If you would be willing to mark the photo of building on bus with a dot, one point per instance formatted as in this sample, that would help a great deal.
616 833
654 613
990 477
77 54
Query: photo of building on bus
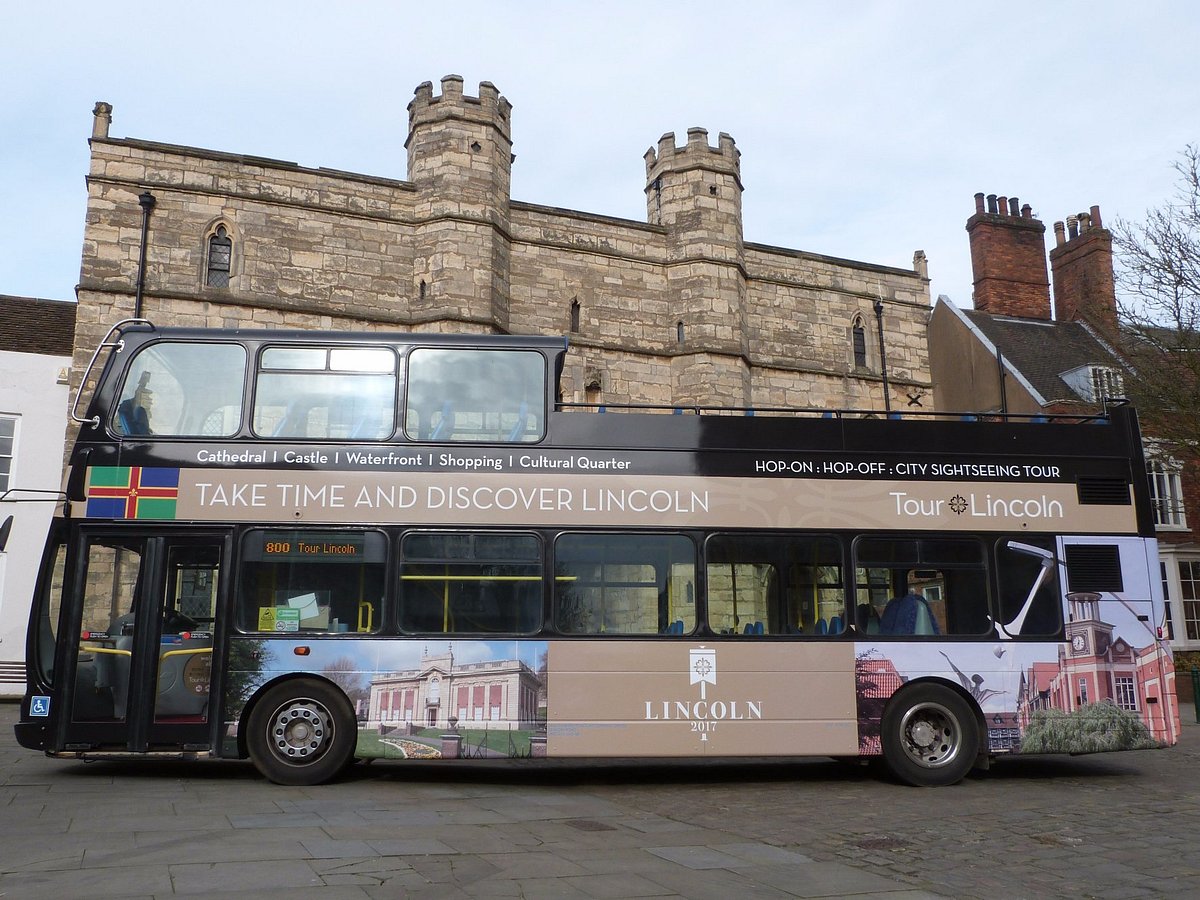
427 700
309 549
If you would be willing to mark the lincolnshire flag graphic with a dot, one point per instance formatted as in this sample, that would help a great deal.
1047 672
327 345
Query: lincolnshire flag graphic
132 492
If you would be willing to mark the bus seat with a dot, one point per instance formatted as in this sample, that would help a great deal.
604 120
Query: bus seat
835 625
867 619
518 429
758 628
924 623
822 627
294 415
445 425
749 629
367 427
133 418
907 615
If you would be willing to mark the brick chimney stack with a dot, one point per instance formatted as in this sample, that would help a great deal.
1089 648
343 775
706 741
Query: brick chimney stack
1082 263
1008 259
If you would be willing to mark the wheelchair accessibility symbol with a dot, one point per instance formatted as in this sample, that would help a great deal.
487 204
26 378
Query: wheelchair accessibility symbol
39 706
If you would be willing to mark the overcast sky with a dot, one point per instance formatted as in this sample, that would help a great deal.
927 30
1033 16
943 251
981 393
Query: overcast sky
865 128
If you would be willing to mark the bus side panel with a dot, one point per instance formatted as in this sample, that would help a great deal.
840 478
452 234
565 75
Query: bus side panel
614 698
734 697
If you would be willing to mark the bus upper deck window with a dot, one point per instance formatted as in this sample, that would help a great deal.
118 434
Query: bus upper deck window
177 389
326 393
475 395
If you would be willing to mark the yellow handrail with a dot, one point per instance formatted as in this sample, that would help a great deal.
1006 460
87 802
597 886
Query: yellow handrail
113 651
471 578
190 652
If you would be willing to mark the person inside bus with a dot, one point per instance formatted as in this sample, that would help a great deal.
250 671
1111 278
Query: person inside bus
134 412
867 619
908 615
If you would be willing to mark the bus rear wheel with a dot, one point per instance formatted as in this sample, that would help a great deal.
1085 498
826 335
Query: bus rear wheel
301 732
930 737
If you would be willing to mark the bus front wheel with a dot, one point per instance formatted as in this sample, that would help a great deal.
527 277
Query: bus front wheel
930 737
301 732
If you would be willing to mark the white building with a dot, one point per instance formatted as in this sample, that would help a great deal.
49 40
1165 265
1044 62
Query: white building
35 359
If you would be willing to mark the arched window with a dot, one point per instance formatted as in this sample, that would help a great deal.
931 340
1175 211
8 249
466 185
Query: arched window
679 335
858 338
575 316
220 257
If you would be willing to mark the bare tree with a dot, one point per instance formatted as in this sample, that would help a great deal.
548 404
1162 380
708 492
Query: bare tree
1159 275
346 674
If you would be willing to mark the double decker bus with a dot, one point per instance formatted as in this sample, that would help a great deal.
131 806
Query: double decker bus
310 548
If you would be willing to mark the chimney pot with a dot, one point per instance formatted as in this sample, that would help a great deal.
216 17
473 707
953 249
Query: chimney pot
991 200
1060 234
1096 223
979 202
1026 211
1014 207
1002 202
1072 228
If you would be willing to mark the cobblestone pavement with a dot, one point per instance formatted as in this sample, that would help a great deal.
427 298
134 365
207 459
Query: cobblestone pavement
1111 826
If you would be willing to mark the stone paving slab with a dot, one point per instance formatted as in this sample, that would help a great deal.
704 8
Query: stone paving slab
1115 826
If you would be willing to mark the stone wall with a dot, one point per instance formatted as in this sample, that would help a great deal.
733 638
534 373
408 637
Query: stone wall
678 309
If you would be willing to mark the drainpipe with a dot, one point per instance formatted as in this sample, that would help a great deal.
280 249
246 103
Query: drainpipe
146 202
887 393
1003 386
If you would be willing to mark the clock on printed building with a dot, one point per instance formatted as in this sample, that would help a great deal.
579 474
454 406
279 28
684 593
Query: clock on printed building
1079 643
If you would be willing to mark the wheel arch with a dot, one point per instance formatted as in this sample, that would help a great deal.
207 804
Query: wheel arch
248 710
982 756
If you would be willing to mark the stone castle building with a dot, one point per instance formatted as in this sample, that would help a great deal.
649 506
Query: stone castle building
679 309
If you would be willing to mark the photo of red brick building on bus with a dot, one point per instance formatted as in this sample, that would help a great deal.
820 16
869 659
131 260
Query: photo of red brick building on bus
1095 666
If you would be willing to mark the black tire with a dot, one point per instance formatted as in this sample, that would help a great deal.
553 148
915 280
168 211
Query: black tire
301 732
930 736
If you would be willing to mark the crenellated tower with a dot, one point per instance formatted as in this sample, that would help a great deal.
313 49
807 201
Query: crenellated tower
695 193
460 161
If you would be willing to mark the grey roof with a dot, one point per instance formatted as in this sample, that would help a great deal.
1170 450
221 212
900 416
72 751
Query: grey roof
28 325
1042 350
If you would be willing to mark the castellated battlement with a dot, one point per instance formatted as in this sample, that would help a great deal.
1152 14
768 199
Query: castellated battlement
725 157
490 106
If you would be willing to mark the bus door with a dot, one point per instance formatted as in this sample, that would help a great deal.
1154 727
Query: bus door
142 656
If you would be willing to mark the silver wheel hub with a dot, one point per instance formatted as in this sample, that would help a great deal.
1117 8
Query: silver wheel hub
300 730
930 735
